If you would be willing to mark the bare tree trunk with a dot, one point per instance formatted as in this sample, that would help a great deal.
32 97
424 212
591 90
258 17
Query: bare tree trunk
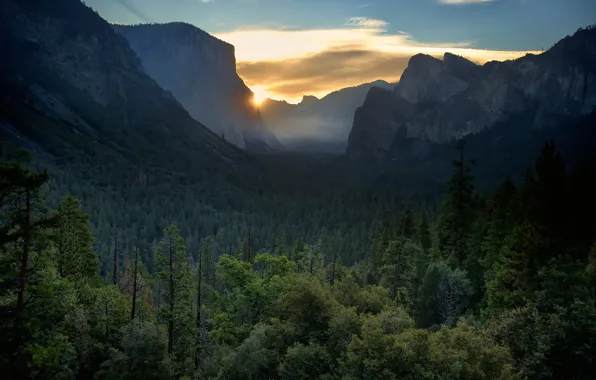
171 316
107 322
134 286
333 268
449 301
115 269
60 256
249 245
25 259
460 206
198 318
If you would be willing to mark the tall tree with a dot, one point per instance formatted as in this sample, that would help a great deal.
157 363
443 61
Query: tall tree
424 235
135 285
115 260
205 257
279 248
407 228
174 272
454 225
74 242
26 218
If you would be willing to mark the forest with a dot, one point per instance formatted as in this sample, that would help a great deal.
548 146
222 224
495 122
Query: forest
497 284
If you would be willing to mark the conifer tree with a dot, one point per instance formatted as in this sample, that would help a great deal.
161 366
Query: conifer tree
175 274
279 248
407 228
74 242
26 218
424 235
454 226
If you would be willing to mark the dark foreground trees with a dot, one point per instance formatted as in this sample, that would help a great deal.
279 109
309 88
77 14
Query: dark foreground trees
501 286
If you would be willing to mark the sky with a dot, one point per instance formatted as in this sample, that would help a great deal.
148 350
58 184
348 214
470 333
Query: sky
288 48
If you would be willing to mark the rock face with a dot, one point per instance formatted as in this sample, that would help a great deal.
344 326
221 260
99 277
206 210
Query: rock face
381 118
317 124
200 70
67 78
455 97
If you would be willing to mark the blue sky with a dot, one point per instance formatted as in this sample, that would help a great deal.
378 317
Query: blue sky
497 25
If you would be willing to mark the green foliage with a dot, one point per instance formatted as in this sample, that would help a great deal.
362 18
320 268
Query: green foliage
443 295
143 354
460 204
508 293
303 362
74 242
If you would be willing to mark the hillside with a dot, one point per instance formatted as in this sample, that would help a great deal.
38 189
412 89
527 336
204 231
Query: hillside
200 71
72 84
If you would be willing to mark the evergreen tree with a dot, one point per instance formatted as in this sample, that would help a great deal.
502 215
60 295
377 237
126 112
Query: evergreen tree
424 235
174 273
279 249
74 242
407 228
454 226
207 258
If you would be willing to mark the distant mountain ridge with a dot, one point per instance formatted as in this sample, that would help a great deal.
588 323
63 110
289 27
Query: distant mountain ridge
441 100
200 70
317 124
72 84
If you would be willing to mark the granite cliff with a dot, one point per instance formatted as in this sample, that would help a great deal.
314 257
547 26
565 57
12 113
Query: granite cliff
69 81
454 97
200 70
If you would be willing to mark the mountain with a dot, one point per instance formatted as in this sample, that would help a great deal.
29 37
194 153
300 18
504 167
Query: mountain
200 70
454 97
317 124
72 87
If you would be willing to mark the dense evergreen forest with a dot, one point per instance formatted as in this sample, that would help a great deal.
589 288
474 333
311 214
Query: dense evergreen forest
495 284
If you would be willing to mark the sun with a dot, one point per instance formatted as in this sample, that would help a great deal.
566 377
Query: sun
259 94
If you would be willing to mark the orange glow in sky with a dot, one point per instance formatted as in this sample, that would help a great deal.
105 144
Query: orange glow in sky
287 64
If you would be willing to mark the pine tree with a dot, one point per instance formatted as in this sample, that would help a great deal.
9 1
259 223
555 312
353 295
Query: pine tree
115 261
74 242
174 273
513 279
279 249
407 228
135 285
454 226
26 218
551 200
424 235
206 258
170 255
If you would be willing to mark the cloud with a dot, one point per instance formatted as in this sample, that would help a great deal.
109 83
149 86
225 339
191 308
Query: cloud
365 22
290 63
321 73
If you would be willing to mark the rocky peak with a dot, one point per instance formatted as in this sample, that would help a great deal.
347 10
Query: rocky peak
423 64
308 100
455 97
376 124
461 67
428 79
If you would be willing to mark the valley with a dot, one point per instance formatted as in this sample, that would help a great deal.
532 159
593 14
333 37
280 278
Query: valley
158 224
